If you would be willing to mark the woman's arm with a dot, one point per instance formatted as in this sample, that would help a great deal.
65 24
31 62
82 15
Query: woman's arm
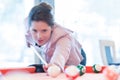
62 52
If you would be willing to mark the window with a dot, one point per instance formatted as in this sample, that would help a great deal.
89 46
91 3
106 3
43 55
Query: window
12 41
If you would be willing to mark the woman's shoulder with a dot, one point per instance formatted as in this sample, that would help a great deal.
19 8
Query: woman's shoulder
59 28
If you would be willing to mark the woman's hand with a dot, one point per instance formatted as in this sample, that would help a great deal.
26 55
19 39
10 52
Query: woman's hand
45 67
52 70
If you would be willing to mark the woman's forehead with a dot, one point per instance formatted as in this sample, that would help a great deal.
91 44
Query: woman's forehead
40 25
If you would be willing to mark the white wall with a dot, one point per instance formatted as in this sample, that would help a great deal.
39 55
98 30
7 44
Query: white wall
93 20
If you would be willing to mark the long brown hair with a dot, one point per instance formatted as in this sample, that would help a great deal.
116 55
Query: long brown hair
41 12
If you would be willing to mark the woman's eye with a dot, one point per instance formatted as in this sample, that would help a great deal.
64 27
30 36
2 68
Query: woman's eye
34 30
44 30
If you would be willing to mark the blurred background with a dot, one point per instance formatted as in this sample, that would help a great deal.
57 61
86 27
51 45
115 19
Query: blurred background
92 20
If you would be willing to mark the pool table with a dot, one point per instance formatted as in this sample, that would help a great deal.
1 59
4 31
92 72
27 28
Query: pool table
89 75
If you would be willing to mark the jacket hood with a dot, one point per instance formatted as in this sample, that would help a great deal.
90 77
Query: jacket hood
59 32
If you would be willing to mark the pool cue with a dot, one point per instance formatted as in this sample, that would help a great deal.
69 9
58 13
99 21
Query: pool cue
39 56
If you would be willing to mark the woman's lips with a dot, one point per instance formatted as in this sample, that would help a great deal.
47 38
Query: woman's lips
40 41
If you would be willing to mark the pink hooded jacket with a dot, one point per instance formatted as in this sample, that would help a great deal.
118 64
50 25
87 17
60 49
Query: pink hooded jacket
63 49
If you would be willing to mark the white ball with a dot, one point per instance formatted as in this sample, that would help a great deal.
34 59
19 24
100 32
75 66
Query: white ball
72 71
54 71
98 67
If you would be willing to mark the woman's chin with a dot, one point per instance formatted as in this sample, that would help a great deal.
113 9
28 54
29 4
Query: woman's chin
41 44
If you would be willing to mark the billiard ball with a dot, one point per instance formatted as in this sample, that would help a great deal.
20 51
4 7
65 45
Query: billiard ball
82 69
72 72
54 71
110 73
96 68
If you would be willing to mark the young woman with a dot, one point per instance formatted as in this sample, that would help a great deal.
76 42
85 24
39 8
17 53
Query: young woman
58 43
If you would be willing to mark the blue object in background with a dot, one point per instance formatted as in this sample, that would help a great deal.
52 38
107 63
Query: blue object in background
109 53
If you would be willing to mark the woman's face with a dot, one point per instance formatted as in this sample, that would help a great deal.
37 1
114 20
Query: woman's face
41 32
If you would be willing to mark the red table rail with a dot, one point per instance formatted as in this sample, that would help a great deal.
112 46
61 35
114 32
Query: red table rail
28 69
90 70
32 69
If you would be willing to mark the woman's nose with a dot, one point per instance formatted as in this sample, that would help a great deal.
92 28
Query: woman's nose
39 35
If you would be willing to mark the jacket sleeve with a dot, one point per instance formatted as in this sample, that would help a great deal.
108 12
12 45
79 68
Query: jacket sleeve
62 52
